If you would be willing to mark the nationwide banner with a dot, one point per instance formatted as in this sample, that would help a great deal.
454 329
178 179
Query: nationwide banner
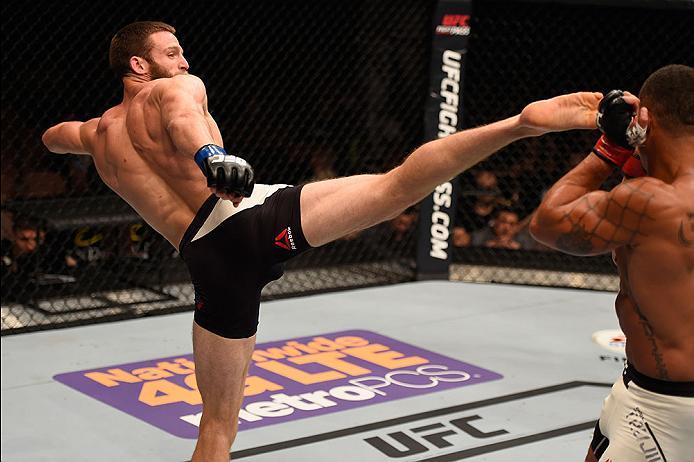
288 380
444 115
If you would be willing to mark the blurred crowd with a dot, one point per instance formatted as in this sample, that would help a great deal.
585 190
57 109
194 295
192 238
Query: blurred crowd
34 256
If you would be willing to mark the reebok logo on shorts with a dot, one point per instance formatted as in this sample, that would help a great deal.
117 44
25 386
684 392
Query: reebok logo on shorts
285 239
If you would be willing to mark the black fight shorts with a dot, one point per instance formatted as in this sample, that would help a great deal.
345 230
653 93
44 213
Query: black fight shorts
232 253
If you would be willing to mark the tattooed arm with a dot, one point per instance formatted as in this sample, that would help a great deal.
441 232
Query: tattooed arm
575 217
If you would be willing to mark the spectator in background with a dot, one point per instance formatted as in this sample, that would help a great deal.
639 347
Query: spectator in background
461 238
501 233
483 211
395 237
487 182
521 181
20 256
402 227
23 243
505 228
479 203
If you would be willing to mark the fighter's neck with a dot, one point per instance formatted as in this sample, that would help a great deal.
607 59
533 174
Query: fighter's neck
674 158
132 86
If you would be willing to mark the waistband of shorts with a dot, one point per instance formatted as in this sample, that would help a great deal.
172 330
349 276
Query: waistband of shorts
663 387
198 221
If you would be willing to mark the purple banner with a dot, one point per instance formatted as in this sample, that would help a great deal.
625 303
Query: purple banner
288 380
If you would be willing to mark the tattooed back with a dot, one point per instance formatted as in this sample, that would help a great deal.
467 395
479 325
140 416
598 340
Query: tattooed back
655 305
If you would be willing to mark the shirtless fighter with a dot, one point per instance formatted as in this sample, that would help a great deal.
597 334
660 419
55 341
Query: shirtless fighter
647 222
161 150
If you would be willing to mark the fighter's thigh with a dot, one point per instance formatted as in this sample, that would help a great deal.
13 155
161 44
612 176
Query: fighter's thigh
221 366
618 441
332 209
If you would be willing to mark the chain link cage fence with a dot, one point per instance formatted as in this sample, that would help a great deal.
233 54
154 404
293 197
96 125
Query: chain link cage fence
304 90
524 51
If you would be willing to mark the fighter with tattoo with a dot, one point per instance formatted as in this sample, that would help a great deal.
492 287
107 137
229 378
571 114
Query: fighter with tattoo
647 222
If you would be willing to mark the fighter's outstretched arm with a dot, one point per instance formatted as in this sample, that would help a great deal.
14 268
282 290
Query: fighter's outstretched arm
71 137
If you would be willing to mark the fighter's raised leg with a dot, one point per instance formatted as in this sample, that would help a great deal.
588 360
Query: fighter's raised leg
334 208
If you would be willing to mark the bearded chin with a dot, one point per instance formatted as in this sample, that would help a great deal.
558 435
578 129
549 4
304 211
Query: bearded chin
157 72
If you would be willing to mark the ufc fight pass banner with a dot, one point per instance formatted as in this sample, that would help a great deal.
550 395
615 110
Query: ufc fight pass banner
444 116
288 380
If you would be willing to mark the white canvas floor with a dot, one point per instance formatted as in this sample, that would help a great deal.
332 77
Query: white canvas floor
533 390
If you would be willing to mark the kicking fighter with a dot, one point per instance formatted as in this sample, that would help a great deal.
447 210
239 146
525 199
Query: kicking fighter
160 150
647 222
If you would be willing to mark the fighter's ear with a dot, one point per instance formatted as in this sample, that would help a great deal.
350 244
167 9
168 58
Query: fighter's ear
138 65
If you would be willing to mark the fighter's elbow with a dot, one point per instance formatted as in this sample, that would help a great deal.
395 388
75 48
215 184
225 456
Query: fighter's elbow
540 226
534 226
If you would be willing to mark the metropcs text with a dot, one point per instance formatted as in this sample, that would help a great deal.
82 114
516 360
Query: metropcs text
357 369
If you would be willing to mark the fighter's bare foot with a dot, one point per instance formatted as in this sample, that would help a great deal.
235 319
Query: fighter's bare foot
566 112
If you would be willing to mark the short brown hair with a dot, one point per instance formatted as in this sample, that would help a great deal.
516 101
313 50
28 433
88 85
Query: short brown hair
133 40
668 93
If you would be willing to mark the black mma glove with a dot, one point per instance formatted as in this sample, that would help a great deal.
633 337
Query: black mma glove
226 173
614 117
621 133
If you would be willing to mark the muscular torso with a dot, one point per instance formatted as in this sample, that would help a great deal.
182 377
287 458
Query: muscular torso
135 157
655 305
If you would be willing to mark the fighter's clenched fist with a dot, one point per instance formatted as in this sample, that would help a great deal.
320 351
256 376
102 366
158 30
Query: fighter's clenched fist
226 174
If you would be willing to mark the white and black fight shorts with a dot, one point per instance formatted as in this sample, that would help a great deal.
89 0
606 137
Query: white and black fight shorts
232 253
646 420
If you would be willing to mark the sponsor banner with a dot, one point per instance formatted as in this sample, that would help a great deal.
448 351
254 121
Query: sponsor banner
444 115
287 380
